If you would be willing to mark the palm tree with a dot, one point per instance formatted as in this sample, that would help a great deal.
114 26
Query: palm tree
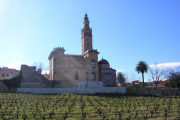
142 67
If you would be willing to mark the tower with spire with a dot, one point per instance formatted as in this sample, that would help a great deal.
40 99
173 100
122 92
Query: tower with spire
77 70
86 36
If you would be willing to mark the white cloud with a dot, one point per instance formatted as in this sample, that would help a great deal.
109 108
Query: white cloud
44 72
15 65
171 65
119 70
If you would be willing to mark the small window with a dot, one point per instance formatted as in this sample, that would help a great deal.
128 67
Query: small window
7 75
87 44
12 75
3 75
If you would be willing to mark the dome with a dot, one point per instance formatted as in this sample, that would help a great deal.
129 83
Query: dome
103 61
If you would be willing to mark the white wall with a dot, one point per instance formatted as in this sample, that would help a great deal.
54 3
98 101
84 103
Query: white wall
74 90
89 83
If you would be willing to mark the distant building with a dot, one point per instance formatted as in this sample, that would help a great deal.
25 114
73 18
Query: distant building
161 83
135 82
7 73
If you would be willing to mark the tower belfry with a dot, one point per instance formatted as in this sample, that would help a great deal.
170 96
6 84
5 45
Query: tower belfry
86 35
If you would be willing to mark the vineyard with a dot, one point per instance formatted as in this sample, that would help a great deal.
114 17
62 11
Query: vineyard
88 107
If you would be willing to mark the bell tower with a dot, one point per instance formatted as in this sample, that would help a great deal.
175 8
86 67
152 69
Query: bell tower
86 35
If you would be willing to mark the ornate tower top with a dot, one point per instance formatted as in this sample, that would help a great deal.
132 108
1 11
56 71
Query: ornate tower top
86 21
86 36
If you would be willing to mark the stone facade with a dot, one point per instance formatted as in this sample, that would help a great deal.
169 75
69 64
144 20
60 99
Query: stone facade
83 67
32 79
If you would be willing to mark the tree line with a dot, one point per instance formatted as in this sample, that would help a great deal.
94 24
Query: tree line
156 74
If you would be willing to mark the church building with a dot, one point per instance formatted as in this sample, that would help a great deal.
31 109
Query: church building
84 70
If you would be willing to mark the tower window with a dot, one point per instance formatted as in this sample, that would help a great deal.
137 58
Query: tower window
110 77
87 44
93 63
76 75
55 62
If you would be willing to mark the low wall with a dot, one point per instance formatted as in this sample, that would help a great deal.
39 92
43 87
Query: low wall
74 90
162 91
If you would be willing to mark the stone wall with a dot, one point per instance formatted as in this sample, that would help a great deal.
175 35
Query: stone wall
74 90
32 79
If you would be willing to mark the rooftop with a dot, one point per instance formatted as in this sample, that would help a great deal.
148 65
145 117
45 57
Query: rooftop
6 69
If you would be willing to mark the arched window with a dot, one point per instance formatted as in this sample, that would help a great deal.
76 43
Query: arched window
76 75
87 44
65 74
55 75
105 76
86 75
110 77
93 76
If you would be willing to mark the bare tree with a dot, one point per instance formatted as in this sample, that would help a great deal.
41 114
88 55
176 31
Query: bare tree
39 65
127 77
133 76
173 75
157 73
36 65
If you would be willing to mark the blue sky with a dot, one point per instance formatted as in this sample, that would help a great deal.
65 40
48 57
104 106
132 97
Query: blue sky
124 32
